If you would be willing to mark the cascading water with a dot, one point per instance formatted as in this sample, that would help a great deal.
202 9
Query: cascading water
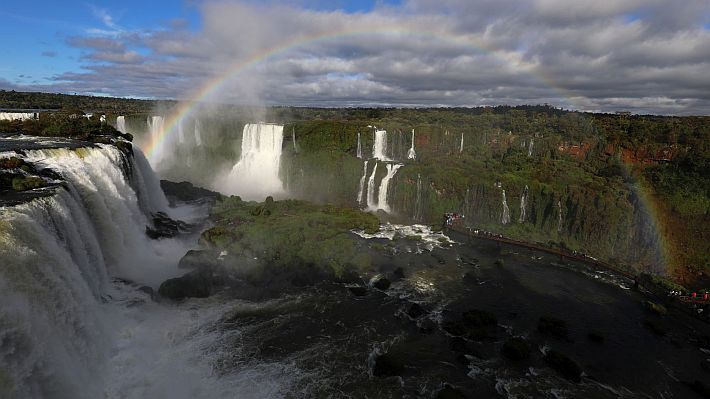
418 206
14 116
530 147
121 123
293 137
384 187
412 154
379 147
461 147
198 133
362 183
523 205
256 174
371 204
359 146
559 216
181 132
505 216
155 127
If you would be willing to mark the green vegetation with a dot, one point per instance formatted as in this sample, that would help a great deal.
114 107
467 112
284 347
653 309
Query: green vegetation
291 234
71 123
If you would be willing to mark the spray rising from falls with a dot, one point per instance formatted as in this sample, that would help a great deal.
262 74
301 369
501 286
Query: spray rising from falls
256 175
412 154
362 184
155 127
384 187
121 123
523 203
379 146
198 133
505 216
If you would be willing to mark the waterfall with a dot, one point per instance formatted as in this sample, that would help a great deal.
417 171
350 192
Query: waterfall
121 123
412 154
21 116
256 174
155 128
59 254
181 132
362 183
293 136
523 203
559 216
379 147
461 147
371 189
359 146
505 217
384 187
530 147
198 133
418 202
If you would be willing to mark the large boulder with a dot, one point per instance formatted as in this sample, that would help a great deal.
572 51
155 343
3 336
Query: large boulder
516 348
563 365
199 283
199 258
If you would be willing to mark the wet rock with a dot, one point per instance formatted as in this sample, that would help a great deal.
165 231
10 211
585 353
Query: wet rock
516 348
655 327
147 290
358 290
165 227
553 327
479 318
50 174
199 283
381 283
24 183
563 365
449 392
426 326
187 192
499 262
596 337
398 273
475 324
387 365
415 311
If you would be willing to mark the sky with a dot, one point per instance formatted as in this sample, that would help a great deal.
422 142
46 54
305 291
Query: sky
643 56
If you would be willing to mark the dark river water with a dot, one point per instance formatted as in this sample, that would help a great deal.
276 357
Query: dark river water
338 342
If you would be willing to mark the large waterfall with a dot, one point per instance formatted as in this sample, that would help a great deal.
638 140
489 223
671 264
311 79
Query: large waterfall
530 147
461 146
384 187
121 124
362 184
505 216
13 116
155 127
379 146
256 174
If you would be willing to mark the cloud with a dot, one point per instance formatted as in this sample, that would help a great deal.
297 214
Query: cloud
50 54
639 55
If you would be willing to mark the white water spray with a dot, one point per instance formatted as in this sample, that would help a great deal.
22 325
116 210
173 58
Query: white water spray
461 147
359 146
362 183
181 132
371 189
384 187
530 147
523 205
121 123
198 132
256 175
379 147
155 127
412 154
15 116
505 217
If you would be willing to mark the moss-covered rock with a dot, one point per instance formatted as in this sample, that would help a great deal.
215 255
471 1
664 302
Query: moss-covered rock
24 183
655 308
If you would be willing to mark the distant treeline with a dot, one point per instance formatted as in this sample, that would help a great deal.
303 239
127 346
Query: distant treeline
36 100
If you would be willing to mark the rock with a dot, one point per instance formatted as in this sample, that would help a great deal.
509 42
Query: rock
563 365
381 283
50 174
552 327
475 324
426 326
358 290
516 348
398 274
415 310
479 318
449 392
187 192
705 365
25 183
148 290
197 258
498 262
165 227
655 327
387 365
596 337
199 283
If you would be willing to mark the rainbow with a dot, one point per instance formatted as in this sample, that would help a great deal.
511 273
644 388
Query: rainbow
185 108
